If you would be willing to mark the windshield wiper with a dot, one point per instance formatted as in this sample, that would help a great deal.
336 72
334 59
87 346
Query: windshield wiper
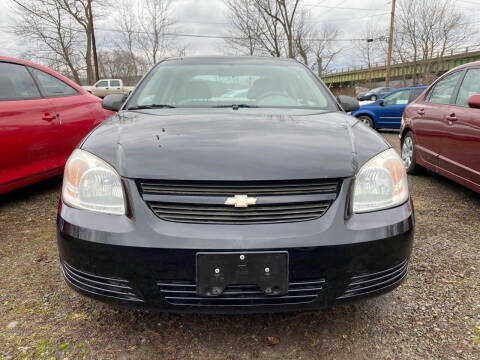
236 106
151 106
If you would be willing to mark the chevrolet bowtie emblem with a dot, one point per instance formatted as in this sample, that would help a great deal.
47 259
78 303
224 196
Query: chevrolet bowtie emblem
240 201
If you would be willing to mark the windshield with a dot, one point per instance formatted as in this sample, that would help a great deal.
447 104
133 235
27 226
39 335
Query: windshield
174 84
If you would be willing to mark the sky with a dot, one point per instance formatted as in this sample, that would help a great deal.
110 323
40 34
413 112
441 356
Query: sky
209 17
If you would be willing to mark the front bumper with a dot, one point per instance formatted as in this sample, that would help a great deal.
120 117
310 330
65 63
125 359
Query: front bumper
148 262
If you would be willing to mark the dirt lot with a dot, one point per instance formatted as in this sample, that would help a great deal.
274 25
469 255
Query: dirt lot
434 315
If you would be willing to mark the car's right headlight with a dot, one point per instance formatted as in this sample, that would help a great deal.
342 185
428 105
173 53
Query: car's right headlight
90 183
380 183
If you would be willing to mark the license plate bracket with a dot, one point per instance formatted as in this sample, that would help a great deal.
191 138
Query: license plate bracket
217 270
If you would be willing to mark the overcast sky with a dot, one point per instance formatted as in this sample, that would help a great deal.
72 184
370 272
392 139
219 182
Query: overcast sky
208 17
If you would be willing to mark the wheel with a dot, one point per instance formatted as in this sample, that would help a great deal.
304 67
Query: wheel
373 98
367 120
409 155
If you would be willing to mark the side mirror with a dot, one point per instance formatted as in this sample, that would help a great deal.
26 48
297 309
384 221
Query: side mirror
113 102
348 103
474 101
380 102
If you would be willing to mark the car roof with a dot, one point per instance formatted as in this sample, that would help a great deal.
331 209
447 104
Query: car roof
43 68
232 59
411 87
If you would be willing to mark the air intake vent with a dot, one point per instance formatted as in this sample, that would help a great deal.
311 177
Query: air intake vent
184 293
368 283
99 285
230 188
221 214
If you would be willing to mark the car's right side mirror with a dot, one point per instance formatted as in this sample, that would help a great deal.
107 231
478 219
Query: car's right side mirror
474 101
348 103
113 102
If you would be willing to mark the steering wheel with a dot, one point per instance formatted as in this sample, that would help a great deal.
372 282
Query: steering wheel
272 93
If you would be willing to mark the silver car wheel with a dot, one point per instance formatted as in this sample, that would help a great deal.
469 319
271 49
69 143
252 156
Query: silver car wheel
407 152
365 120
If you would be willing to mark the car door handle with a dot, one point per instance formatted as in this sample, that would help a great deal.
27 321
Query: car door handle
451 117
421 112
49 117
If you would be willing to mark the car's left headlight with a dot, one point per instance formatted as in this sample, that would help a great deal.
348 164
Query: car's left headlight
380 183
90 183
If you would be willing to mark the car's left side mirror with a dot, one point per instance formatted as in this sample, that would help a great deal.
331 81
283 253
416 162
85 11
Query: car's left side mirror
113 102
381 103
474 101
348 103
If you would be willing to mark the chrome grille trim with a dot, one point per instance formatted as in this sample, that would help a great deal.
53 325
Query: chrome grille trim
221 214
229 188
183 293
369 283
99 285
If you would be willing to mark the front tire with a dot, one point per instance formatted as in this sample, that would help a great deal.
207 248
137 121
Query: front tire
367 120
374 98
409 156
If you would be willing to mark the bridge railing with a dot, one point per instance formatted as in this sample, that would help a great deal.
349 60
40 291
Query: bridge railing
381 65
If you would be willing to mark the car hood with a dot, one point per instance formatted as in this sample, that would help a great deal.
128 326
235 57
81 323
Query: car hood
246 144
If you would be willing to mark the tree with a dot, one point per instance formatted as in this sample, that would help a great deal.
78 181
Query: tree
427 30
155 19
284 12
280 28
44 22
371 49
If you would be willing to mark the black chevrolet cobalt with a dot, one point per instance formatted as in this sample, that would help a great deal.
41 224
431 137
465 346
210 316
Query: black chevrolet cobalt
229 185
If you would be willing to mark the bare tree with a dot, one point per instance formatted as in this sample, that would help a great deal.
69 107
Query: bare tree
284 12
371 50
280 28
315 47
155 18
64 27
44 22
252 30
427 30
128 34
79 10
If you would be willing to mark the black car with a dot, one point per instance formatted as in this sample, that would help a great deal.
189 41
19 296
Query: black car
374 94
274 199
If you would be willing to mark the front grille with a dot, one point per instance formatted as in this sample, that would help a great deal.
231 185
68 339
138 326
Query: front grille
230 188
221 214
369 283
184 294
203 201
99 285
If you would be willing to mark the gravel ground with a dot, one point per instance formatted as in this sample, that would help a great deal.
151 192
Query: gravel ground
435 314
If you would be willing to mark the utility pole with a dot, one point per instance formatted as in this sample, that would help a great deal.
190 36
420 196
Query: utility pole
94 45
390 44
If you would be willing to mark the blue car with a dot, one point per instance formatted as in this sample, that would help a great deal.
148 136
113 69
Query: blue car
387 111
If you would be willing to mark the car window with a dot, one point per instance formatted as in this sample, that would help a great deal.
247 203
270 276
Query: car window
219 84
470 86
103 83
16 83
114 82
398 98
443 90
414 94
51 85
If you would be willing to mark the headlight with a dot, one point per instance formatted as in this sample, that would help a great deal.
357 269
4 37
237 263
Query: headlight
381 183
90 183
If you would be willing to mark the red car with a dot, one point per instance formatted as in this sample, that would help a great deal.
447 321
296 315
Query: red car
441 129
43 116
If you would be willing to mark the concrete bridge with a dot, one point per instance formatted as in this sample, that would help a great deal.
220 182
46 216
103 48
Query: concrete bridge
345 78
